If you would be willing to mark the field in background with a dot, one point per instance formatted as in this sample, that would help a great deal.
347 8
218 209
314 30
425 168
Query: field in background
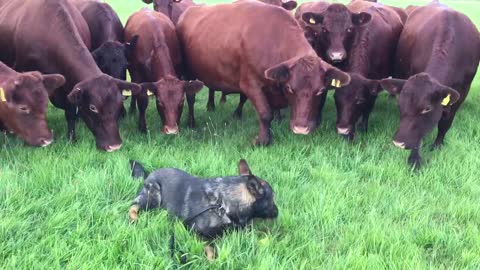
342 205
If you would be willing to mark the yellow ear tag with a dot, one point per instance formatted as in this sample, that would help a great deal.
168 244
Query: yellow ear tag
312 21
2 95
126 93
339 83
334 83
149 93
446 100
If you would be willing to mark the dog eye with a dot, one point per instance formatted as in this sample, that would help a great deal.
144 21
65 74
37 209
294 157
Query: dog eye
426 110
324 30
93 108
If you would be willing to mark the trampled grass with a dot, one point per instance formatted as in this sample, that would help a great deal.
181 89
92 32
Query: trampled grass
342 205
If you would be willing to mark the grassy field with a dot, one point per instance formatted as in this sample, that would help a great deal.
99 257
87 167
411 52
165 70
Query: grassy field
342 205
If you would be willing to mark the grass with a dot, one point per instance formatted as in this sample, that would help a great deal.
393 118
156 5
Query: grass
342 205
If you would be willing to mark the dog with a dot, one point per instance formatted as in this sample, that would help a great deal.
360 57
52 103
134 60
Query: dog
207 206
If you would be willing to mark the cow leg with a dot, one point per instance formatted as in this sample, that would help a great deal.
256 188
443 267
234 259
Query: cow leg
238 112
211 100
191 112
444 125
323 98
277 115
136 78
71 115
223 99
414 159
260 102
142 102
363 125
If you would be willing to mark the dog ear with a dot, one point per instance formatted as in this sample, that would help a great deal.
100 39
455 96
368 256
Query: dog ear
255 187
243 168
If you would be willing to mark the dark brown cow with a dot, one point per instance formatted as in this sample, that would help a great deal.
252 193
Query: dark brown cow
250 55
438 54
172 8
370 55
157 58
43 35
23 104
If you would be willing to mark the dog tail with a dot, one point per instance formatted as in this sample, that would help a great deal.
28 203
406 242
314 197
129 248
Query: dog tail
138 171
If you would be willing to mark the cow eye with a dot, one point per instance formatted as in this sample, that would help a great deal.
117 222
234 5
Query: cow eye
349 30
426 110
288 88
324 30
24 109
360 101
93 108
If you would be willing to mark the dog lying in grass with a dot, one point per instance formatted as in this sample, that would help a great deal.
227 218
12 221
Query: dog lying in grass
208 206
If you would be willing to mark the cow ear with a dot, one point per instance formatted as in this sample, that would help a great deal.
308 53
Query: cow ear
279 73
243 168
374 87
312 18
123 85
336 78
255 187
76 96
52 82
393 86
289 5
192 87
449 95
361 19
149 88
130 46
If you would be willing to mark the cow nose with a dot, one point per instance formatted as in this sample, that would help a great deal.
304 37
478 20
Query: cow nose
400 145
45 142
337 56
171 130
111 148
301 130
343 131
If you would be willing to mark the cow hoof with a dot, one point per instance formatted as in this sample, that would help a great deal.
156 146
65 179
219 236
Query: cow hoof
415 163
237 114
262 141
191 124
143 130
436 146
72 138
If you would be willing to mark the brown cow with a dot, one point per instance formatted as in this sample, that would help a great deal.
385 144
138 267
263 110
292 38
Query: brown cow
23 104
370 55
438 55
157 58
250 55
44 35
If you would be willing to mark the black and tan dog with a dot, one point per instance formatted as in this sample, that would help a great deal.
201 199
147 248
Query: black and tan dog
208 206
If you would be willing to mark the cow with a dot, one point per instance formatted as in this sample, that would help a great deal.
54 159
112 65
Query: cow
437 58
23 104
370 50
64 50
250 55
157 57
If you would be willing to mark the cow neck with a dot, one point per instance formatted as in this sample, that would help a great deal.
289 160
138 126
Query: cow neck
5 70
162 63
79 65
358 60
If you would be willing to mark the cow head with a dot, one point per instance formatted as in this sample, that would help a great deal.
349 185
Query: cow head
170 95
422 101
286 4
352 101
99 102
23 105
163 6
112 57
304 80
335 30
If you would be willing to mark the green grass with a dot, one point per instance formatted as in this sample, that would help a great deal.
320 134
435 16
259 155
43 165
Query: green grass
342 205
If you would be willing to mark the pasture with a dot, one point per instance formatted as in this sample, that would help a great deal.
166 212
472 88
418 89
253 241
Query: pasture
341 205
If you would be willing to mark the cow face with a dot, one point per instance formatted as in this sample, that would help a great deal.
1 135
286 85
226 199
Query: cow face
354 100
286 4
335 30
170 95
111 57
304 80
23 105
99 102
422 101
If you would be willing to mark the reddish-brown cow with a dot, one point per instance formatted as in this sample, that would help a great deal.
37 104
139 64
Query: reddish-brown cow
438 55
250 55
23 104
157 58
50 36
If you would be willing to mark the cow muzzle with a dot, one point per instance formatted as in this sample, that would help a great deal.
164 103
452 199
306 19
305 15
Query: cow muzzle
112 148
343 131
171 130
400 145
337 57
302 130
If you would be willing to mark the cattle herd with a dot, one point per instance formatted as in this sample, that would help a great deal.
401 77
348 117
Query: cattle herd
76 53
